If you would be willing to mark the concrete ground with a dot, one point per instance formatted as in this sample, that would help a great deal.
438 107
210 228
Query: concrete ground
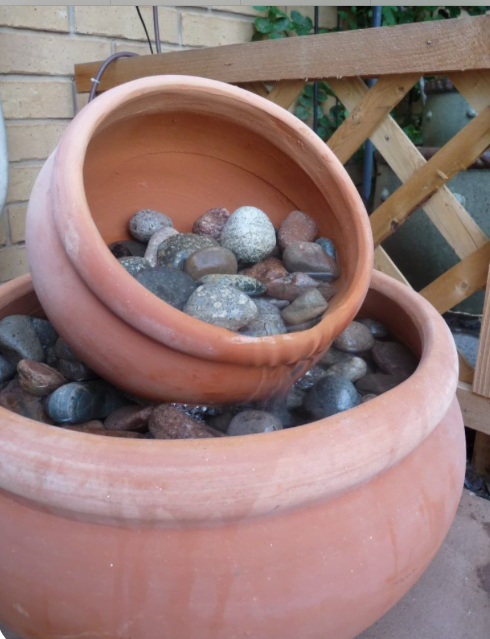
452 599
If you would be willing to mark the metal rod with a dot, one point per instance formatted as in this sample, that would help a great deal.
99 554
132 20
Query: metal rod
157 30
315 84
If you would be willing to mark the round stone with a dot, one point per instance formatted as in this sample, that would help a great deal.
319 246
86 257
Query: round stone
19 340
249 234
378 383
328 246
268 321
368 397
212 222
168 422
144 223
63 351
308 306
352 369
127 248
134 265
17 400
356 338
248 285
266 271
211 261
309 257
169 284
310 378
305 326
7 369
297 227
75 371
175 250
378 330
333 356
295 398
38 379
394 359
131 417
291 286
331 395
80 402
45 331
223 306
252 422
155 241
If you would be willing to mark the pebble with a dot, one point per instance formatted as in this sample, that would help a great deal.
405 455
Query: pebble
310 378
251 422
144 223
7 369
92 424
297 227
368 397
168 422
38 379
266 271
328 246
377 383
378 330
327 290
128 248
15 399
331 395
134 265
175 250
63 351
268 321
352 369
155 241
333 356
211 261
309 257
297 328
243 283
19 340
295 398
356 338
79 402
280 304
394 359
169 284
45 331
291 286
249 234
221 422
308 306
223 306
75 371
129 417
212 222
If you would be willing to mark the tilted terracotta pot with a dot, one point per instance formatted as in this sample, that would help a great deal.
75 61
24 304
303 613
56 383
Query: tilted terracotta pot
311 532
183 145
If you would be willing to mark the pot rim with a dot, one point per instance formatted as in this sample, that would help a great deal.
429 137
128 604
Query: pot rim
184 482
141 309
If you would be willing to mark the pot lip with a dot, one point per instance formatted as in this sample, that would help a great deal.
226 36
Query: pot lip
215 480
143 310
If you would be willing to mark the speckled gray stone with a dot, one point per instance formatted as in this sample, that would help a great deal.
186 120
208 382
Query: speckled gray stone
356 338
249 234
352 369
83 401
223 306
378 330
251 422
331 395
306 307
175 250
328 246
267 322
19 340
169 284
310 378
155 241
144 223
378 383
134 265
243 283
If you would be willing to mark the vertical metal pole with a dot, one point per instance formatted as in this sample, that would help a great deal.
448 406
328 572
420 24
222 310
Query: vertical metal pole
367 172
315 84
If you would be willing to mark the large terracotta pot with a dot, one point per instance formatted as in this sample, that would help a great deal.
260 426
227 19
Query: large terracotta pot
311 532
183 145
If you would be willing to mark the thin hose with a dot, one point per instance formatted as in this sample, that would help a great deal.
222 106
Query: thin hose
157 29
103 67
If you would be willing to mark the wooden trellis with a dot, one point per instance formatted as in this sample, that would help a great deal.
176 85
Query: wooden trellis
398 57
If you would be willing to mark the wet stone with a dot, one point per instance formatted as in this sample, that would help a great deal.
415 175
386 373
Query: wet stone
75 371
297 227
7 369
19 340
249 234
268 321
127 248
309 257
38 379
169 284
331 395
377 383
328 246
308 306
310 378
378 330
295 398
168 422
266 271
291 286
45 331
15 399
352 369
212 222
211 261
394 359
154 244
83 401
356 338
243 283
175 250
144 223
222 306
251 422
134 265
130 417
334 356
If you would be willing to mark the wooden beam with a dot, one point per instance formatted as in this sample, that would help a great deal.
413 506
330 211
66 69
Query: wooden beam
466 370
460 281
455 156
365 118
475 408
448 215
474 86
285 93
256 87
384 264
481 384
423 48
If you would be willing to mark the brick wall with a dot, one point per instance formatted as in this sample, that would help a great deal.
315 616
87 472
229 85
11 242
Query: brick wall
39 47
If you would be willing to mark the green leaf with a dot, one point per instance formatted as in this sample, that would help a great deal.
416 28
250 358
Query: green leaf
282 24
301 20
308 90
275 12
261 8
388 16
302 113
322 132
305 101
263 25
276 35
301 31
322 95
257 36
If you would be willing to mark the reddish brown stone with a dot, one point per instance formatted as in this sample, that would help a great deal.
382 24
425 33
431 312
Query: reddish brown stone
211 261
394 359
308 257
212 222
297 227
13 398
291 286
168 422
129 418
266 271
38 379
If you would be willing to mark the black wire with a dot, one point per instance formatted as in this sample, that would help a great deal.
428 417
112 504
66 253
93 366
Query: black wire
144 27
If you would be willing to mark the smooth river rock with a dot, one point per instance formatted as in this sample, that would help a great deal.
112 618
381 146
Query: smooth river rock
249 234
168 422
331 395
134 265
394 359
291 286
309 257
378 383
307 306
144 223
252 422
19 339
328 246
352 369
221 305
154 244
175 250
268 321
243 283
378 330
169 284
356 338
83 401
128 248
38 379
214 260
297 227
212 222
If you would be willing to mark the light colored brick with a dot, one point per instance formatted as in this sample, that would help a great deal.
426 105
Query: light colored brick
141 48
211 30
36 98
123 22
17 222
33 140
3 229
82 100
43 53
242 9
13 262
21 181
44 18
